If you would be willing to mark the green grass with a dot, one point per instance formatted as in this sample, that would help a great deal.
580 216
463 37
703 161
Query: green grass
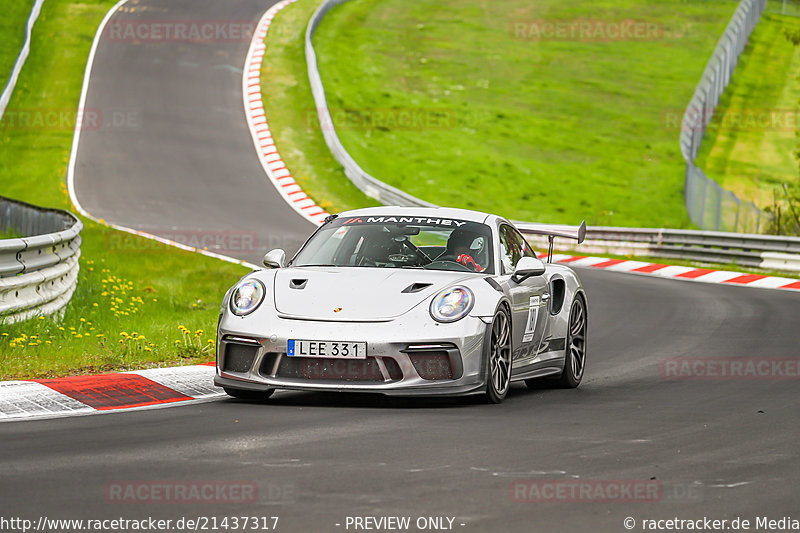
292 116
10 233
14 15
548 130
127 284
749 147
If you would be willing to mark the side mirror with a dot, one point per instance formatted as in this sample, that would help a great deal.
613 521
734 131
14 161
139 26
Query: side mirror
527 267
275 259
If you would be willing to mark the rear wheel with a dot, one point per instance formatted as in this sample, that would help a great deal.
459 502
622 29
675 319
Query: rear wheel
575 361
498 378
254 395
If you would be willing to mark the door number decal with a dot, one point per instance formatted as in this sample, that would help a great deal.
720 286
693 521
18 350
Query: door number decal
533 316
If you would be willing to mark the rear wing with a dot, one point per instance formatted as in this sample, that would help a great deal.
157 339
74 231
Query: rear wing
552 231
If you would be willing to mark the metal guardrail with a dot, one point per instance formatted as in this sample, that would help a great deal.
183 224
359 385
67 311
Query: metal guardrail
38 269
709 205
768 252
370 185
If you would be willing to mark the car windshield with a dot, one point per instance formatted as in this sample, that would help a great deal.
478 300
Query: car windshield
400 242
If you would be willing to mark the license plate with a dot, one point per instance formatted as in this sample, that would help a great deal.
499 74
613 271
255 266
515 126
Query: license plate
327 349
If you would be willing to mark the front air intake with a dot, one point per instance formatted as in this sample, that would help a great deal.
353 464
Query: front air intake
432 365
311 368
239 357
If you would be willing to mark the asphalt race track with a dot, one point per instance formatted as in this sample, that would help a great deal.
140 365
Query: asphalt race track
719 449
171 154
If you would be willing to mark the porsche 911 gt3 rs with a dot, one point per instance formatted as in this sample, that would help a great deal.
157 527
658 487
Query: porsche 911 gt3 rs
404 301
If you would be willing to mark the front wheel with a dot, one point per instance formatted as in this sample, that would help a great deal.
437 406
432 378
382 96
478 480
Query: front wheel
253 395
498 378
575 360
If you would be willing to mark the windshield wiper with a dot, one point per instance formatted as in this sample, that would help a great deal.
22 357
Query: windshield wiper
320 265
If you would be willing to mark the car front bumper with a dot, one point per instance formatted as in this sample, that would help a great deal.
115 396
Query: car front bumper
403 358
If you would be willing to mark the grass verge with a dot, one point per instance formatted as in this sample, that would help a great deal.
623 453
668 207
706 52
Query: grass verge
12 34
515 120
749 146
292 115
138 303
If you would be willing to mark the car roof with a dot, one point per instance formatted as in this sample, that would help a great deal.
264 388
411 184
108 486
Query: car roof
437 212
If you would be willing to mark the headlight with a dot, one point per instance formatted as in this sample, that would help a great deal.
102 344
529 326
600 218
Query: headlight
452 304
247 296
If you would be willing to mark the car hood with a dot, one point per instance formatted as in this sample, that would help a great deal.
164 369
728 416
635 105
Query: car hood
356 294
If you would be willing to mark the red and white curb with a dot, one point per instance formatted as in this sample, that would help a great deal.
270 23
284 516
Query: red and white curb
271 160
85 395
685 273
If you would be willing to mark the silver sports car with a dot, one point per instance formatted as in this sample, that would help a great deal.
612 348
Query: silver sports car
404 301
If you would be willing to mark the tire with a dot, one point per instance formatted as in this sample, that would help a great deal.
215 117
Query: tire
253 395
498 357
575 353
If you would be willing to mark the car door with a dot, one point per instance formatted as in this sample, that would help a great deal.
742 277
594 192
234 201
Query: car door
528 299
